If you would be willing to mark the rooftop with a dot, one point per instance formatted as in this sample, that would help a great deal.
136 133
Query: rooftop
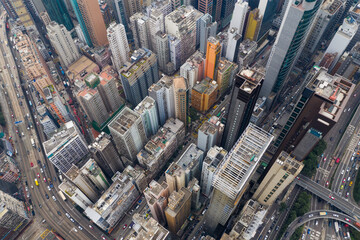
253 78
206 86
241 161
137 59
124 120
191 154
146 103
211 126
81 67
149 229
224 65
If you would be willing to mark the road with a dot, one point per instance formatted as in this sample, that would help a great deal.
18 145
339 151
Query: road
311 216
27 154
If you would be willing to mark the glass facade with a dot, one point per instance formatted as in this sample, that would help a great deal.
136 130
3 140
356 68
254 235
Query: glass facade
58 12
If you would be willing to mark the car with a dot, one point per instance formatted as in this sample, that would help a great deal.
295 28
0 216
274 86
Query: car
316 223
349 109
47 196
72 220
342 187
311 215
298 178
335 215
103 238
41 170
347 194
308 231
344 180
125 226
44 179
75 230
348 179
80 227
32 186
342 171
346 225
348 169
38 175
338 159
327 183
59 213
67 215
12 115
49 188
31 164
324 159
39 162
91 227
348 220
26 189
54 198
40 205
332 197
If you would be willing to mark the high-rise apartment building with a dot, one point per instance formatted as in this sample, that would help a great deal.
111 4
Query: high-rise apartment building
210 134
58 12
181 100
149 229
181 26
225 73
316 111
163 52
207 29
148 112
104 152
109 92
341 40
212 161
288 43
233 176
213 54
89 16
139 24
156 196
247 53
205 6
253 25
242 102
156 23
178 209
128 133
66 147
92 171
139 74
204 95
280 175
9 172
163 94
93 105
118 44
64 45
236 29
12 212
193 69
326 17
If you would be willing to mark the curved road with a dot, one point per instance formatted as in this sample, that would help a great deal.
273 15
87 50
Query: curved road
338 216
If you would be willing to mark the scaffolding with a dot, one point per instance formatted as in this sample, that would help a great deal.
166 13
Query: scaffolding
240 163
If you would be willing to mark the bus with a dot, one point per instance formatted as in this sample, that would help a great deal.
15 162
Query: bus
323 213
336 225
62 196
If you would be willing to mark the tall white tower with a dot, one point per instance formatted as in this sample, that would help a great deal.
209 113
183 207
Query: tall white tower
118 44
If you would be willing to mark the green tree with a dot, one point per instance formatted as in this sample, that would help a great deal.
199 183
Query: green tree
283 206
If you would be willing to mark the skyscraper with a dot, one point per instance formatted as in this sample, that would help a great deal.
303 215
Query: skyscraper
148 111
128 132
93 105
316 111
205 6
63 43
89 16
213 54
236 29
163 52
280 175
136 80
193 69
66 147
139 24
288 43
109 92
243 98
58 12
210 134
341 40
181 99
233 175
118 44
207 29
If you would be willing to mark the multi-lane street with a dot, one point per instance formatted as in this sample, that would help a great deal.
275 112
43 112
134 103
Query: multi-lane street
31 159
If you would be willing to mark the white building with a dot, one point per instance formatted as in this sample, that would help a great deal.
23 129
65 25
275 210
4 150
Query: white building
213 159
128 132
148 111
75 194
118 44
156 24
210 134
139 24
341 40
64 45
66 147
236 29
48 125
163 94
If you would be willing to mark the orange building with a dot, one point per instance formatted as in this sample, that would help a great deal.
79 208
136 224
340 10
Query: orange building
213 54
204 95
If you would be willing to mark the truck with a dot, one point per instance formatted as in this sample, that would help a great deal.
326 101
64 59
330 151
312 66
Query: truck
62 196
323 213
336 225
32 142
332 163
